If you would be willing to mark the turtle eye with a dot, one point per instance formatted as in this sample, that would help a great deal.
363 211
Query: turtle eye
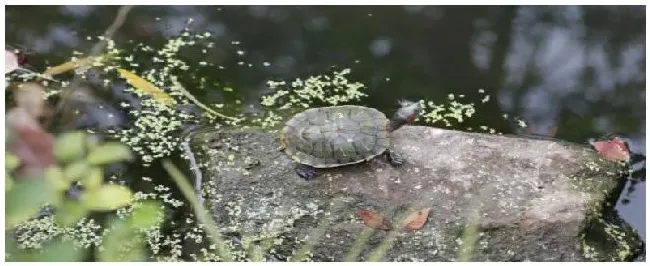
411 117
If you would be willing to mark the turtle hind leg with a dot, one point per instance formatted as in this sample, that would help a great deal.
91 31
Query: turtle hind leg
393 158
305 171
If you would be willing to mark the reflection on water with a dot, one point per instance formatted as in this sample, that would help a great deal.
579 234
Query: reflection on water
577 70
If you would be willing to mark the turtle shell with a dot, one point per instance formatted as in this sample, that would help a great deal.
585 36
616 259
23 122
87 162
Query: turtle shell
334 136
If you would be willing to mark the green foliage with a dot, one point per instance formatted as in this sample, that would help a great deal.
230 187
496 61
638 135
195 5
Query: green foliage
93 180
70 213
109 153
107 197
80 159
11 162
201 213
146 215
25 199
112 245
69 147
469 238
126 240
55 176
53 251
9 182
76 170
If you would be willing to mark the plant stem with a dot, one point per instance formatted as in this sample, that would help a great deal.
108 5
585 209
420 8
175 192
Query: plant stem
201 214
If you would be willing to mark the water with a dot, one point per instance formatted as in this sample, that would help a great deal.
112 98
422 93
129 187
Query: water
577 71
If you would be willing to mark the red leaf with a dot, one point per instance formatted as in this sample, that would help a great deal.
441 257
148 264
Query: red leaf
613 150
416 220
29 142
374 219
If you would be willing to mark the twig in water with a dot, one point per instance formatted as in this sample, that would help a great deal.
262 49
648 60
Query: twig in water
198 176
95 51
110 31
205 107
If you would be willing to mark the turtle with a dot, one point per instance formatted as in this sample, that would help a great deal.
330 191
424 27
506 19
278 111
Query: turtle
335 136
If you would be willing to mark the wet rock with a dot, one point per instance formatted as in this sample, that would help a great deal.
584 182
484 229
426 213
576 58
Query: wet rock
524 199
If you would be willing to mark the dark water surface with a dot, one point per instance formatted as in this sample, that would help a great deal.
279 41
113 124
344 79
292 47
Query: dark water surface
577 70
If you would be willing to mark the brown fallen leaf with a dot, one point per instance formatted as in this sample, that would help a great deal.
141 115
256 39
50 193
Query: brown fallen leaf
374 219
145 86
416 220
613 150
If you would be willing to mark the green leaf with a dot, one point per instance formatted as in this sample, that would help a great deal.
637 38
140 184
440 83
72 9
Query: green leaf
69 213
116 252
11 249
109 153
56 177
122 243
93 179
146 215
107 197
9 134
92 142
70 146
9 181
76 170
25 199
11 162
53 251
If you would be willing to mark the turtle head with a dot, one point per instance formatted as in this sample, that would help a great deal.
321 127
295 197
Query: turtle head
406 113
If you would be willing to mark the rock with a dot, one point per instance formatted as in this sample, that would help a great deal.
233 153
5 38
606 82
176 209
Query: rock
524 199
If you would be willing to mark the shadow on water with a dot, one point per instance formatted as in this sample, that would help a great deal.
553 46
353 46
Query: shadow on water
576 71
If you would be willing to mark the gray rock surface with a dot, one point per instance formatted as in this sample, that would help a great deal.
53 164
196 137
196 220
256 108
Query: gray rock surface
527 199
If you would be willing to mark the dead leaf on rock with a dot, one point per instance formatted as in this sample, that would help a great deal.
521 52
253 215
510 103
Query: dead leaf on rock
416 220
613 150
528 223
374 219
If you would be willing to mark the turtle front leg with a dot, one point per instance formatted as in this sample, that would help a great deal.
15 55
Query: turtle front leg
305 171
393 158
